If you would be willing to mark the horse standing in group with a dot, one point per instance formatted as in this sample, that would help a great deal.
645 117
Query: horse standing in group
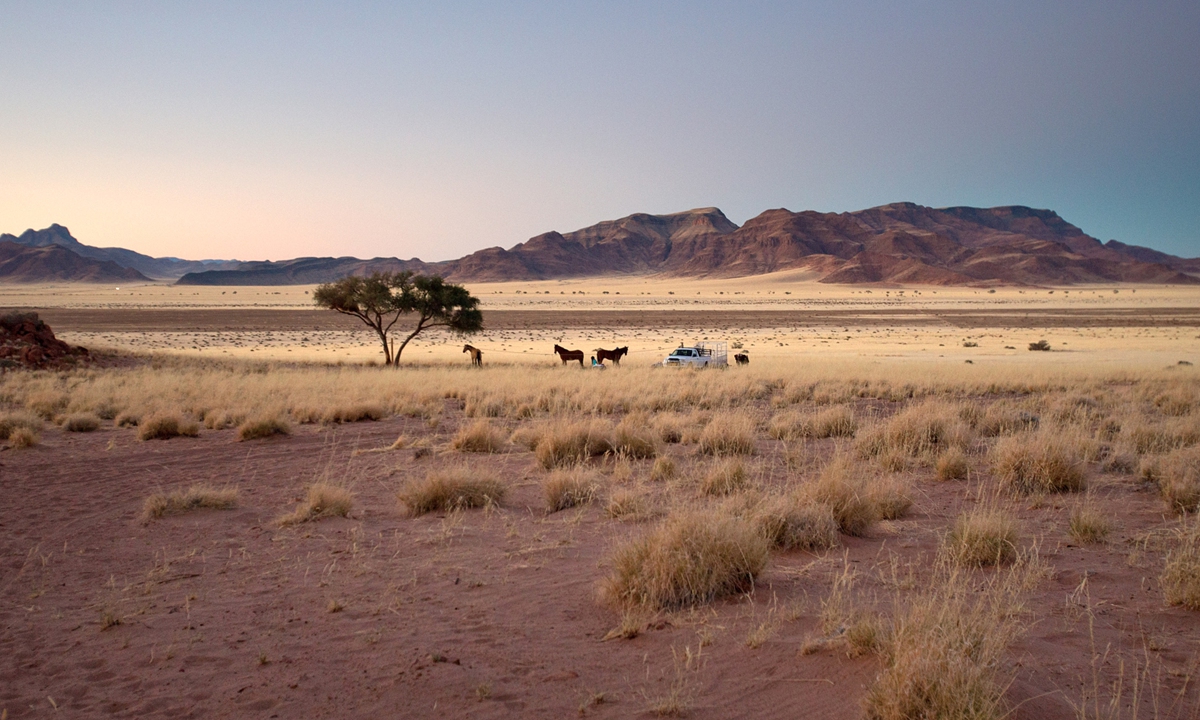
476 355
568 355
742 359
614 355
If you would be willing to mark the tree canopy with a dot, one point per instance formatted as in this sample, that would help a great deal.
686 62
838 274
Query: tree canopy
381 299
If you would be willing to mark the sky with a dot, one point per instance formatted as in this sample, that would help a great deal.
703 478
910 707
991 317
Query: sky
271 130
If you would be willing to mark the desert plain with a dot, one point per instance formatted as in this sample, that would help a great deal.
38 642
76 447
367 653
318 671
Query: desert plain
895 510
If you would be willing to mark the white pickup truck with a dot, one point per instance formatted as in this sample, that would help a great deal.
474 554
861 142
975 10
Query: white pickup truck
704 354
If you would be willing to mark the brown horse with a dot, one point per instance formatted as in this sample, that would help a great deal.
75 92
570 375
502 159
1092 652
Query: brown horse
568 355
742 359
476 355
614 355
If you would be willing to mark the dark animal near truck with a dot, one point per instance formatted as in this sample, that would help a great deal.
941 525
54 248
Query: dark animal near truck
568 355
614 355
742 359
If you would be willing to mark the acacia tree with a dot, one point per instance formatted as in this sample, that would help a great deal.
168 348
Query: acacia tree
381 299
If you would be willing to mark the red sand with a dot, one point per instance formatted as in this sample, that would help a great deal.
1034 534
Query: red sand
488 614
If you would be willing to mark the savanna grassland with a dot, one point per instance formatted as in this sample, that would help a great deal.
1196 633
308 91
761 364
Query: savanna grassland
189 537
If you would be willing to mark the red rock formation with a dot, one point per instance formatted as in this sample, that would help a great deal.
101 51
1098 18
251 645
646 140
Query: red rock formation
26 341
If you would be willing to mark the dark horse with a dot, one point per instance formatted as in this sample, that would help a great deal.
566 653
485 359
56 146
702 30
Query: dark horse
476 355
742 359
568 355
614 355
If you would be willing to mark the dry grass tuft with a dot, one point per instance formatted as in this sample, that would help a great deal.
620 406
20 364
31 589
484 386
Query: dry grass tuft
663 469
952 465
323 500
982 537
1088 524
1181 574
923 430
81 422
194 498
728 434
891 497
796 523
834 422
263 427
842 487
18 421
1042 462
634 438
480 437
573 444
691 558
527 437
167 425
23 437
567 489
454 489
1178 477
725 478
627 505
353 413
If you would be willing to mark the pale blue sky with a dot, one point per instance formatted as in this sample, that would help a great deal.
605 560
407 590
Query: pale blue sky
273 130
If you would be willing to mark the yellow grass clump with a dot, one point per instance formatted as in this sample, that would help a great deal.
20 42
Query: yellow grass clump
479 437
835 422
952 465
634 438
797 523
1178 477
18 420
982 537
567 489
81 422
844 489
724 478
574 443
728 434
350 413
23 437
162 426
1088 524
263 427
663 469
626 505
1042 462
925 429
323 500
454 489
692 558
194 498
891 497
1181 574
1153 436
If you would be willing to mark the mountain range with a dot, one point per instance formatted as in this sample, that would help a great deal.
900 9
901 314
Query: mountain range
896 243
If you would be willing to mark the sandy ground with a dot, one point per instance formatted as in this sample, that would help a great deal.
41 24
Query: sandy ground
483 613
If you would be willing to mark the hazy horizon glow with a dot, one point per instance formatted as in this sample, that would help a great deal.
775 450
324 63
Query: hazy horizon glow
278 130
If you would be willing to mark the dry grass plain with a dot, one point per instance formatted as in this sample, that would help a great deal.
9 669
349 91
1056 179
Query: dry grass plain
852 528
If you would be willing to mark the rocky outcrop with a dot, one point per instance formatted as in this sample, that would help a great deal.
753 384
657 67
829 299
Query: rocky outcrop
26 341
54 263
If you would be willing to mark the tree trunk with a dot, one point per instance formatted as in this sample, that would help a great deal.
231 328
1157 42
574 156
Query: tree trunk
387 351
413 334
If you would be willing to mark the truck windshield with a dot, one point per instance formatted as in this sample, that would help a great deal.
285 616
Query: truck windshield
682 353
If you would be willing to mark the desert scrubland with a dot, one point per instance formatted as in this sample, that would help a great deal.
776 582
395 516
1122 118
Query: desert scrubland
860 523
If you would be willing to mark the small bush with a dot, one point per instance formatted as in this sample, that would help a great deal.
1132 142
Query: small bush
526 437
323 500
18 420
728 434
1039 463
670 427
663 469
725 478
952 465
1040 346
982 537
81 422
163 426
794 523
1161 437
892 498
1089 525
1004 418
1181 574
480 437
263 427
567 489
692 558
194 498
23 437
451 490
1178 477
844 490
573 444
127 419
